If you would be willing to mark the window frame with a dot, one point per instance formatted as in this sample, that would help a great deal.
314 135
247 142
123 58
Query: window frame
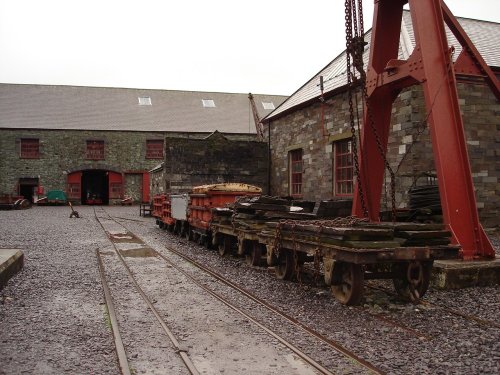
29 148
295 179
343 168
93 152
153 152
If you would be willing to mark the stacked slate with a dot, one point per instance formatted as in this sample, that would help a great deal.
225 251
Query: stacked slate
306 221
424 197
259 209
326 232
417 234
359 234
425 204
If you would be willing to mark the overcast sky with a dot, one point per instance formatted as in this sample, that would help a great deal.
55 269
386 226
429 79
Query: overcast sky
259 46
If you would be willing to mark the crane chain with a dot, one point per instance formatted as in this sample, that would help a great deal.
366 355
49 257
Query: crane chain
349 43
355 47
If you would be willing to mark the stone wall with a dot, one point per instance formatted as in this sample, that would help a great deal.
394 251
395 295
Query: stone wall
409 148
215 159
63 151
157 181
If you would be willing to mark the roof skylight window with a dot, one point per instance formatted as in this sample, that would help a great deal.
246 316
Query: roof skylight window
144 100
268 105
208 103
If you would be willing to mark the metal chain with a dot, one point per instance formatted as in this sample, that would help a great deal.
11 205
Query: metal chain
317 255
338 222
349 46
355 47
295 254
278 239
349 221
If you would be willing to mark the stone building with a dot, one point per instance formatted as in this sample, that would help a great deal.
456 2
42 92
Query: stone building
208 159
99 144
310 138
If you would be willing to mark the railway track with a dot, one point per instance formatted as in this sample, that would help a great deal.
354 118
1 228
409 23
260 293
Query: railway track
337 347
388 320
122 358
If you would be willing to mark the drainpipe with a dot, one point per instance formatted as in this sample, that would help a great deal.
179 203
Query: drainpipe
269 158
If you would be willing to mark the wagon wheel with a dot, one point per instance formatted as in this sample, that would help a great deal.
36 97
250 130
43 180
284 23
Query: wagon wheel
412 279
175 229
161 224
225 246
347 283
183 229
196 237
254 257
200 240
271 259
208 242
170 228
189 234
285 266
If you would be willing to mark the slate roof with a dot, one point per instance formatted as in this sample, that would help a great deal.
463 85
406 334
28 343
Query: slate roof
484 35
98 108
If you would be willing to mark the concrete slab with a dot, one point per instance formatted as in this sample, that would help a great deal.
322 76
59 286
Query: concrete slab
457 274
11 262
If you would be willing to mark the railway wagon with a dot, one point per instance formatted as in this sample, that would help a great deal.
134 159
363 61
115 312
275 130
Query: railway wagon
190 214
344 250
158 207
203 199
292 236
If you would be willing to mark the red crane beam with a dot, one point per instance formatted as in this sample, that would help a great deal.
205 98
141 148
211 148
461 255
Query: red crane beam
430 65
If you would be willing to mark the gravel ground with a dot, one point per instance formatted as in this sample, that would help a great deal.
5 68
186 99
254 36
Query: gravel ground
52 318
52 312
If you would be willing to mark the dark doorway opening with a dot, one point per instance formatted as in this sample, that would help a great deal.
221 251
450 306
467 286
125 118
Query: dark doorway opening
27 188
27 191
95 185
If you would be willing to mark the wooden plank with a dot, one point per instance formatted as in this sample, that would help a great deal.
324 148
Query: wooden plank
263 207
405 226
428 242
424 234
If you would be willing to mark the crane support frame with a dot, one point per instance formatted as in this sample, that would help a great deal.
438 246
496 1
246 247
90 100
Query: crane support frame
430 65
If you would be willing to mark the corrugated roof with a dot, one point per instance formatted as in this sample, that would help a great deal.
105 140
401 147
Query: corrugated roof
484 35
98 108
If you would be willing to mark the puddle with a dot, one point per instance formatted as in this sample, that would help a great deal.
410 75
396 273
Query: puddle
124 237
107 252
144 252
124 246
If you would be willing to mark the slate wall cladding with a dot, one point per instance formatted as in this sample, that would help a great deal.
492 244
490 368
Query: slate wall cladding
409 148
216 159
63 151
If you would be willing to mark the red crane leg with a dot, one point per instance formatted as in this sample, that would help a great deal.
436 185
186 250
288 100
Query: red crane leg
384 47
447 131
371 163
432 67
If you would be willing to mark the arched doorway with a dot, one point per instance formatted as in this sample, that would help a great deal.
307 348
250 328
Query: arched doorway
95 186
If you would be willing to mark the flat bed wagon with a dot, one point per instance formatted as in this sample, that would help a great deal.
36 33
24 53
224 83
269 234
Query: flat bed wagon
350 250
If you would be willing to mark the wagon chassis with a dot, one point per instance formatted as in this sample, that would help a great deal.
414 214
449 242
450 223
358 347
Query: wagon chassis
344 268
225 237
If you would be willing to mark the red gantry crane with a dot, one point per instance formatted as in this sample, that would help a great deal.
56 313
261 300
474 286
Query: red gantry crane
430 65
